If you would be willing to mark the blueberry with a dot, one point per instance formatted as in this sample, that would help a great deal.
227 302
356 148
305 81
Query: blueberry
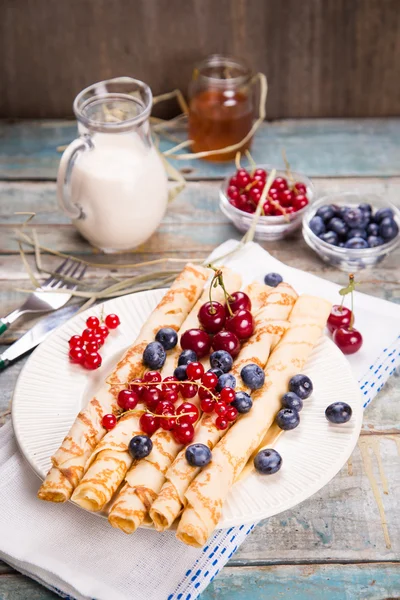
341 244
287 418
186 357
242 402
167 337
221 359
268 462
180 373
338 412
317 225
357 232
253 376
217 372
354 217
366 208
373 229
330 237
301 385
383 213
375 240
338 226
198 455
388 229
292 400
154 355
356 243
273 279
140 446
226 380
326 212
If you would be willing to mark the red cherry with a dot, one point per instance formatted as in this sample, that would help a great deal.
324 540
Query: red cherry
209 380
152 377
170 383
109 421
76 342
103 331
92 322
212 316
187 407
149 424
194 371
77 355
232 192
340 317
170 395
92 361
220 408
197 340
221 422
241 324
237 301
233 181
127 400
299 202
88 335
231 413
112 321
151 396
188 390
226 340
139 389
280 183
183 433
348 340
227 395
91 347
207 405
243 178
286 197
300 187
203 394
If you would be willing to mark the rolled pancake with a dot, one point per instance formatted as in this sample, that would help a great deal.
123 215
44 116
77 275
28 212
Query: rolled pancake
71 458
270 324
207 493
111 459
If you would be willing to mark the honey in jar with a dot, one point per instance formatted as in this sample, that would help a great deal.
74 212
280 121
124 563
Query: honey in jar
220 106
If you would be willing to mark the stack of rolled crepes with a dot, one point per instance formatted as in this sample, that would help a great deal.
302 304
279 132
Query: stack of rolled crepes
207 493
71 459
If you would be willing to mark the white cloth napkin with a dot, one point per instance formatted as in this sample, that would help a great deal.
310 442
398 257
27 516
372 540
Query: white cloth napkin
78 555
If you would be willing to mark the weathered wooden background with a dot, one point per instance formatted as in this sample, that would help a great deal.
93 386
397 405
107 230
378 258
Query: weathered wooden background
323 58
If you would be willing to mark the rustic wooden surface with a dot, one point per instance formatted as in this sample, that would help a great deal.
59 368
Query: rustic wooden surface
332 546
323 58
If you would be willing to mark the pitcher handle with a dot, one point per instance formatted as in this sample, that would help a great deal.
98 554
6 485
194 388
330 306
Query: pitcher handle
68 159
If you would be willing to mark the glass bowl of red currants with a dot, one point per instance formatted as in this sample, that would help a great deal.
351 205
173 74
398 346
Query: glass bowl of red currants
283 210
352 231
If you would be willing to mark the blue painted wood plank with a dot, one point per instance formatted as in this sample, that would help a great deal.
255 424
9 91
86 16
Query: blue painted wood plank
320 148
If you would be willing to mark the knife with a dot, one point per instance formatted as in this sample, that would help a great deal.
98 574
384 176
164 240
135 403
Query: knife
37 334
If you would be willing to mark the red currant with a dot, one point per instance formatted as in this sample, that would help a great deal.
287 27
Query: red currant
285 197
92 361
237 301
197 340
280 183
212 316
348 340
300 187
76 342
232 192
170 395
77 355
227 395
221 422
255 194
88 335
170 383
165 407
183 433
267 208
203 394
103 331
152 377
207 405
91 347
220 408
109 421
92 322
260 174
112 321
273 193
289 210
226 340
151 396
299 202
233 181
340 317
209 380
98 337
135 386
148 423
243 178
127 400
231 413
187 407
188 390
194 371
241 324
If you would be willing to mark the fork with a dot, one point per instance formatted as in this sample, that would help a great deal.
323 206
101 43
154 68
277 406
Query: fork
43 299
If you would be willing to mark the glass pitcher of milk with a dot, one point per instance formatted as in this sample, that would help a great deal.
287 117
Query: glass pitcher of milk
111 180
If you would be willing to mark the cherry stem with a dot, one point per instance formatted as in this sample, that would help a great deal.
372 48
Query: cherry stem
218 279
352 312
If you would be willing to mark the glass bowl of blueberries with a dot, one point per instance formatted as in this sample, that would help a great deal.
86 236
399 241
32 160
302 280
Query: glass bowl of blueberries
352 231
283 210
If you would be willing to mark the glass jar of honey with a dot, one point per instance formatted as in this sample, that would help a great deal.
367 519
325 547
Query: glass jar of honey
220 106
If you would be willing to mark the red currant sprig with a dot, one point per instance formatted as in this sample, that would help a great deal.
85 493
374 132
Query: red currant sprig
84 348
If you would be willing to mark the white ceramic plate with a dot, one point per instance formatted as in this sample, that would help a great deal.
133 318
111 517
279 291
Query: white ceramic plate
50 392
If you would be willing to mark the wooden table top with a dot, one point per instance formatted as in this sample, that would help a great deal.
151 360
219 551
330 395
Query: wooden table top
334 545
